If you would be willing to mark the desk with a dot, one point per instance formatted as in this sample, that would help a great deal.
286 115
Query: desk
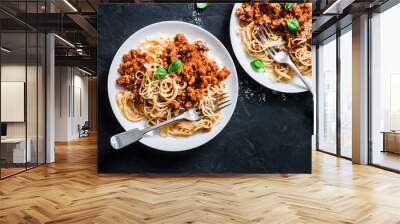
13 150
391 141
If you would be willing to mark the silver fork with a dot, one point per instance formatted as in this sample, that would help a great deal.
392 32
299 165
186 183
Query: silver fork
126 138
281 56
221 102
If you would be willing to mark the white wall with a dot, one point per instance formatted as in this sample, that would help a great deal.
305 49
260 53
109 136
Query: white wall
12 73
16 73
33 126
80 110
9 73
61 103
71 94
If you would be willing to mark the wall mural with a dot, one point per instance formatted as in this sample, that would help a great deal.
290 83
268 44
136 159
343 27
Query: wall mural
204 88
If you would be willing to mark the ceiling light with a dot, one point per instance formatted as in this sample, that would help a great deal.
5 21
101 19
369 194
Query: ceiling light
5 50
70 5
84 71
65 41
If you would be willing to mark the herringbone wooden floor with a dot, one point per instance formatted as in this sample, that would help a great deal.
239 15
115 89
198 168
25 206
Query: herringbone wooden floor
70 191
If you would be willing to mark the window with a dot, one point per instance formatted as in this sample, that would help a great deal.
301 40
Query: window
346 92
327 96
385 89
394 101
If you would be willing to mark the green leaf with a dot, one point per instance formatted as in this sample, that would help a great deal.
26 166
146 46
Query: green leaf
289 5
161 72
293 25
257 64
201 5
175 66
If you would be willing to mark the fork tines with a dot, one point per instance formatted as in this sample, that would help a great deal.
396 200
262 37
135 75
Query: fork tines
271 51
222 102
265 31
264 34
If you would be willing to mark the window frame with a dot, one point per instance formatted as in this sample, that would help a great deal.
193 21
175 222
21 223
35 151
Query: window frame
381 9
336 36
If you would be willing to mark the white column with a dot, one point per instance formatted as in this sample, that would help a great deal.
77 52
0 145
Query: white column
314 89
50 92
360 90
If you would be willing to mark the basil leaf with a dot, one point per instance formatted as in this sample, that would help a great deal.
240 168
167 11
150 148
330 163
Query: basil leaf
201 5
161 72
175 66
293 25
257 64
288 5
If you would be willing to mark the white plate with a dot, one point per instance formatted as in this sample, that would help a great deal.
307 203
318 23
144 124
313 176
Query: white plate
217 51
264 78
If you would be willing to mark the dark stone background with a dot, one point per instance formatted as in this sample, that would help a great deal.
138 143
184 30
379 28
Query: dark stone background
270 132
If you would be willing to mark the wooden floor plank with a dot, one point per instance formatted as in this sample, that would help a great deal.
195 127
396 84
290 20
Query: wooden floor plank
71 191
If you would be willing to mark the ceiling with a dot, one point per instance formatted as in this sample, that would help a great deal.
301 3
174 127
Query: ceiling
16 42
75 22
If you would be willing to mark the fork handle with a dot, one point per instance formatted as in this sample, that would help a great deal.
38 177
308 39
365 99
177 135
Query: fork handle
123 139
174 119
298 73
126 138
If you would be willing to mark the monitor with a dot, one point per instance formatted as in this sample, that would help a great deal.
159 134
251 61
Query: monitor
3 129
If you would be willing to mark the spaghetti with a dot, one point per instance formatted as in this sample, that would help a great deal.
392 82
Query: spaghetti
147 95
279 22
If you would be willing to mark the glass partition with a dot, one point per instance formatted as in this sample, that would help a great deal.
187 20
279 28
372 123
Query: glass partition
22 64
13 95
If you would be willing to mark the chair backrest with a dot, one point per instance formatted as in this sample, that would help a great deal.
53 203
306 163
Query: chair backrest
86 125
